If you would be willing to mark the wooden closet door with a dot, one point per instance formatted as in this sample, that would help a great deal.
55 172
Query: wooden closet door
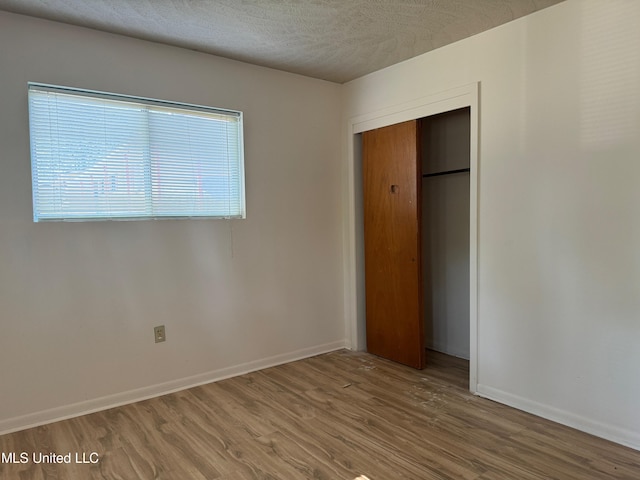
391 170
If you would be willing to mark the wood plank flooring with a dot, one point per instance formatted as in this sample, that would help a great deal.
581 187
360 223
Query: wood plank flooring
344 415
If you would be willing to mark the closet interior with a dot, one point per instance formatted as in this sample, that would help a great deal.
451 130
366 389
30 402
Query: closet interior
445 147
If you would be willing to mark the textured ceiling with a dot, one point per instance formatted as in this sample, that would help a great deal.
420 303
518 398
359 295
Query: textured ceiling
336 40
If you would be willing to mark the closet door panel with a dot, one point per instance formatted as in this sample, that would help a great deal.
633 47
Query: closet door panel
393 269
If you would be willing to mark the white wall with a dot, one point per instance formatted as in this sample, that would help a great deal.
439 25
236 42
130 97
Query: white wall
78 301
559 205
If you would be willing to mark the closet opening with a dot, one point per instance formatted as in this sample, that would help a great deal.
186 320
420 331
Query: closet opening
416 211
445 219
388 313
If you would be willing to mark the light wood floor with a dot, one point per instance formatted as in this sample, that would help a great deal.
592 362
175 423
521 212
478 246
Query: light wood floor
344 415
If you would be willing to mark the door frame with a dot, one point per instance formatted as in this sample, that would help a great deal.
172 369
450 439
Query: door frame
460 97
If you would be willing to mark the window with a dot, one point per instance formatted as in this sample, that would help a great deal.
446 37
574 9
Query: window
99 156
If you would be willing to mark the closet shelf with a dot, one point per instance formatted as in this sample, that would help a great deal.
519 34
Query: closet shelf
448 172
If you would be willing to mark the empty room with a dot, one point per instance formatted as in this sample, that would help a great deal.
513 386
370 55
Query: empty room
359 240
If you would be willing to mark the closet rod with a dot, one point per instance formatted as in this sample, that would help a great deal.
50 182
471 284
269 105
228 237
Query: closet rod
448 172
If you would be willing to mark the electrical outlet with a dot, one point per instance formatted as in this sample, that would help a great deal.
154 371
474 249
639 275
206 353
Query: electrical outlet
159 334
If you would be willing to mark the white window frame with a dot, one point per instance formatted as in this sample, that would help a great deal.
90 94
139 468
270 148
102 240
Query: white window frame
176 174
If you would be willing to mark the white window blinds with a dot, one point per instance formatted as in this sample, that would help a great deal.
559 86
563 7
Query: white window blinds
102 156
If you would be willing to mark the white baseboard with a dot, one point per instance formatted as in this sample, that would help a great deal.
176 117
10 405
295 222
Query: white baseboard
609 432
103 403
448 350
